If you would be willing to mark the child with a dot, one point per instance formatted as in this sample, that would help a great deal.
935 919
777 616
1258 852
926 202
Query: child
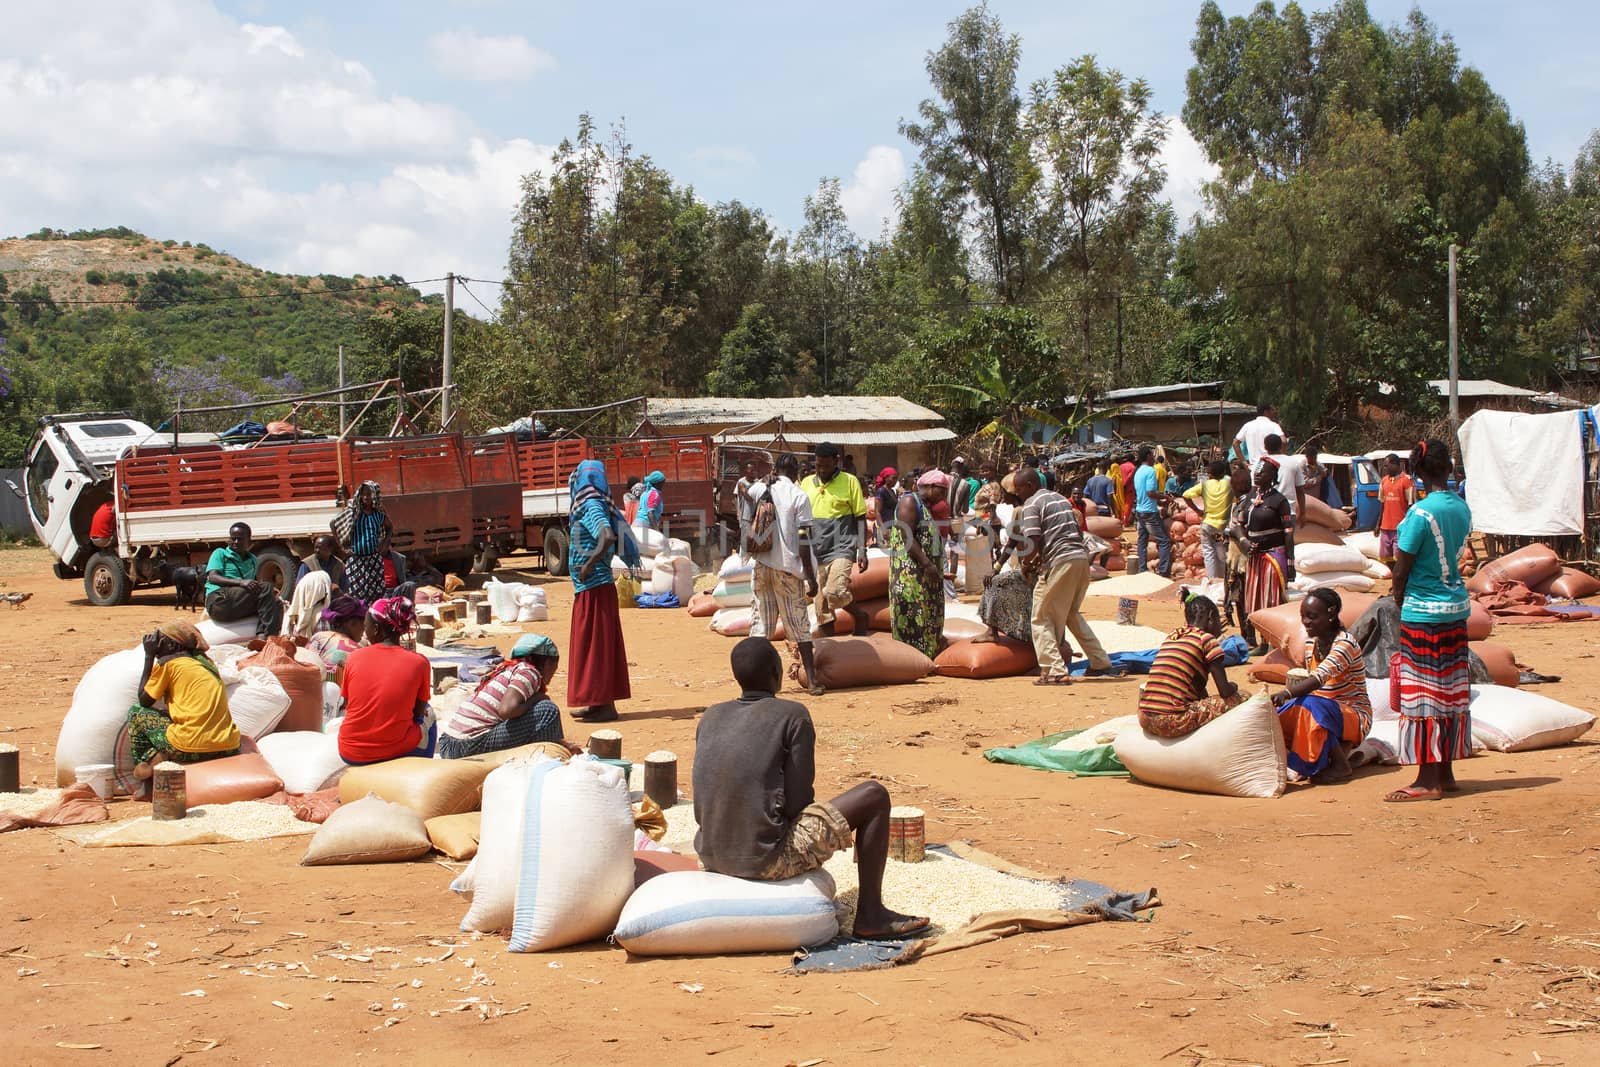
1173 702
755 801
1397 493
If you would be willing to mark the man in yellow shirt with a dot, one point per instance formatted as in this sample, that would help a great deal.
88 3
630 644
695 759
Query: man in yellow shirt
196 725
1216 491
838 537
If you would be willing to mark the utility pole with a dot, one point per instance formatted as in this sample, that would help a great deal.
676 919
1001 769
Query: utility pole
449 355
1455 370
344 425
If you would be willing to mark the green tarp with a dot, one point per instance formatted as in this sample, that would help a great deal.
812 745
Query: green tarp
1098 762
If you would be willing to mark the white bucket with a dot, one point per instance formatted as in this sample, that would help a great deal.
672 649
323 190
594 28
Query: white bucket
98 776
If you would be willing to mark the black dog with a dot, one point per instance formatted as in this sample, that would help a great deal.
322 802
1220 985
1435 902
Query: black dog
186 580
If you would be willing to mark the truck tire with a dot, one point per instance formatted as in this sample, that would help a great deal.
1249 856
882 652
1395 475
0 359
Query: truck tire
278 569
106 581
555 551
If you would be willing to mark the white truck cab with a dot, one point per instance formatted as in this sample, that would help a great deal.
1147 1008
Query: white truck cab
69 475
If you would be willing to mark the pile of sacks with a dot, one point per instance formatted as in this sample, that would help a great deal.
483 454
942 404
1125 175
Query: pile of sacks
1536 568
516 602
556 866
1344 566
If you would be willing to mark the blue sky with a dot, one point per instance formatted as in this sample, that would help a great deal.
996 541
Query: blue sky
310 137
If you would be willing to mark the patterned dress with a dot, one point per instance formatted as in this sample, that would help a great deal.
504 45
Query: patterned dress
916 600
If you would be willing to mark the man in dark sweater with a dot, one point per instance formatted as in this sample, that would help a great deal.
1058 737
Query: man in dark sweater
755 799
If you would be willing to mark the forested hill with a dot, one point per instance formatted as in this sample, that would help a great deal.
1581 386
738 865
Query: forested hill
114 319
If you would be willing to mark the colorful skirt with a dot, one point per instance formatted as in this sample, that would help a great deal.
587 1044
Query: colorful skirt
1312 727
1435 692
147 738
1265 578
1007 606
1194 715
598 672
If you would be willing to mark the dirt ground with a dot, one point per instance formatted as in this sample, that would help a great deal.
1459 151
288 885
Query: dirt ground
1321 928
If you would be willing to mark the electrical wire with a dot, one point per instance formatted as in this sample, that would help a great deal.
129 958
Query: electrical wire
474 296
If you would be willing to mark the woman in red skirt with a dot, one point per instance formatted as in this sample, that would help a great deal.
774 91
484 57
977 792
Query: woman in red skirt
597 675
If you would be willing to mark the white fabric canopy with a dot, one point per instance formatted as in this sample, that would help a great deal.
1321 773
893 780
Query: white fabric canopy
1524 472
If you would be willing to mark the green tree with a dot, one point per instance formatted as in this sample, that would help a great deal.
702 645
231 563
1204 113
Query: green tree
974 149
755 360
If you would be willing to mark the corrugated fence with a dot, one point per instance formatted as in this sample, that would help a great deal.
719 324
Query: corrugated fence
13 510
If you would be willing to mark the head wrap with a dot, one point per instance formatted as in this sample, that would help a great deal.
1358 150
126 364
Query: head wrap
885 477
184 634
394 612
934 477
588 482
534 645
344 523
655 479
342 610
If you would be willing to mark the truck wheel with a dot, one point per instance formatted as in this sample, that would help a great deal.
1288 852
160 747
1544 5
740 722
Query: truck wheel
278 569
105 580
555 551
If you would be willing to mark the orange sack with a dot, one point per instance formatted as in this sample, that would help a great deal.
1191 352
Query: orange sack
1531 565
1001 658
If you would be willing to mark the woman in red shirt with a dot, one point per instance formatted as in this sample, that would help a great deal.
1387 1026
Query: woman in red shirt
386 690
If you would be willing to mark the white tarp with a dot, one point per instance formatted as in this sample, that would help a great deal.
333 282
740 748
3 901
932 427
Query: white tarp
1524 472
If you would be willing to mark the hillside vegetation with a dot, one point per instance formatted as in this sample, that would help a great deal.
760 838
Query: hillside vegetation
114 319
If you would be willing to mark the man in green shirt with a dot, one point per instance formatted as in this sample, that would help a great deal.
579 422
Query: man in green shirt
232 591
838 537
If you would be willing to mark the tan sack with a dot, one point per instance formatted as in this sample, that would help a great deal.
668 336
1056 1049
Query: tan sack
429 787
1240 754
847 662
371 830
1000 658
871 583
456 835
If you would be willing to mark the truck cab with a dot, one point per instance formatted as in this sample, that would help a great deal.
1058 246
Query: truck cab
68 476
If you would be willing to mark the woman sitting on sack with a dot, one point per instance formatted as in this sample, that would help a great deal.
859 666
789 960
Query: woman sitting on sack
196 725
386 690
511 706
343 626
1173 703
1326 713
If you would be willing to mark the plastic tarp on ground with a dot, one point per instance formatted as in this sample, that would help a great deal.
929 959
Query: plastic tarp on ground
1097 762
1524 472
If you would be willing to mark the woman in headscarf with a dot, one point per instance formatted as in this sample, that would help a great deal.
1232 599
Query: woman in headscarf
312 593
1268 540
652 504
344 624
196 725
364 529
883 491
511 706
916 583
1007 603
598 677
386 689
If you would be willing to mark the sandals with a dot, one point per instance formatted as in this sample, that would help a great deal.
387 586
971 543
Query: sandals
1053 679
1411 794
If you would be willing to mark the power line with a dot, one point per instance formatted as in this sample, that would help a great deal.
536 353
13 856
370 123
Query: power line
474 296
152 304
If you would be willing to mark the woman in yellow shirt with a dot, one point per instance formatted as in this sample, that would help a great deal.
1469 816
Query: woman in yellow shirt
196 725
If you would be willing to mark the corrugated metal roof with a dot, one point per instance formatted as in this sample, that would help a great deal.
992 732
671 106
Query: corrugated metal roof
808 437
739 411
1162 409
1487 387
1177 389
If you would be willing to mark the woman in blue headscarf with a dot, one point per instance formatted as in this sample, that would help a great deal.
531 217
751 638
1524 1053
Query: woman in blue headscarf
598 676
652 504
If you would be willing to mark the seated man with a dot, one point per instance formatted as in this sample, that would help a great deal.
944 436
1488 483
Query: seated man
754 779
232 592
325 558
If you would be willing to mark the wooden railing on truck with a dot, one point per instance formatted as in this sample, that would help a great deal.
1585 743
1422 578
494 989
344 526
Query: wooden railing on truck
210 476
493 471
549 464
689 464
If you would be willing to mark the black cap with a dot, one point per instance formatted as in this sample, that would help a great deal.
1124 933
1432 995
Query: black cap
827 448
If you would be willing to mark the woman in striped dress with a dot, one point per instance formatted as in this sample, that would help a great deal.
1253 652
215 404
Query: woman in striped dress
362 528
1327 712
1435 685
1268 541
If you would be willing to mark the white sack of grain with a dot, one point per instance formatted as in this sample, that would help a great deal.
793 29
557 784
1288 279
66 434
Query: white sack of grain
99 708
1315 559
256 699
576 869
1515 720
1240 754
217 634
1365 543
1377 570
698 913
305 760
1355 581
490 882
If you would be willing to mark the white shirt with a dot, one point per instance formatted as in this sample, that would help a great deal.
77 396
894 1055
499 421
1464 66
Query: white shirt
1291 476
1253 435
793 513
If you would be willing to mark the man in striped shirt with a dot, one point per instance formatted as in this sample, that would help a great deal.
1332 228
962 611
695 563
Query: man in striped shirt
1053 544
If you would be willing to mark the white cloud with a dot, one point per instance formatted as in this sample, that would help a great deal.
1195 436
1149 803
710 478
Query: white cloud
483 58
868 196
1188 170
183 122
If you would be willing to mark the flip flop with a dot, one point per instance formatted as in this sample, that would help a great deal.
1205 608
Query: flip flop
1053 679
899 930
1410 794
